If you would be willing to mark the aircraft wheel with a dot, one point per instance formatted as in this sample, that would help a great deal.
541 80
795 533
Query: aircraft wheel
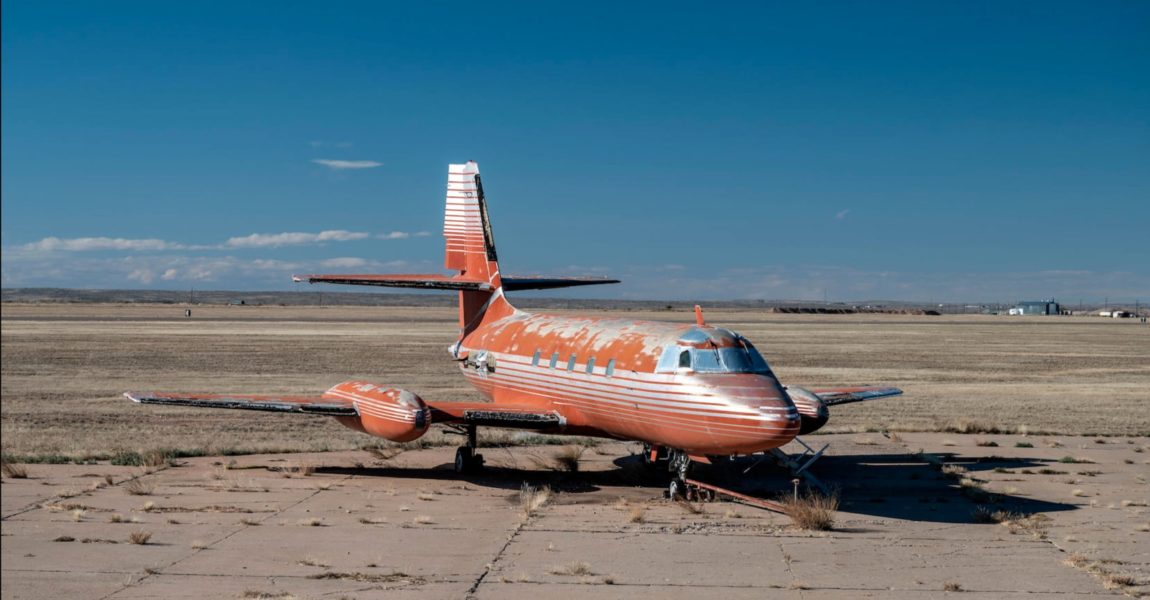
675 490
464 460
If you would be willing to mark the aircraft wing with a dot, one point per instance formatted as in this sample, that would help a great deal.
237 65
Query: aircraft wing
847 395
470 413
312 405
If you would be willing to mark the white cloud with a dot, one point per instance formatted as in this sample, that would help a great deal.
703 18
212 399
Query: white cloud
341 165
170 274
343 262
255 240
842 214
275 240
51 244
144 276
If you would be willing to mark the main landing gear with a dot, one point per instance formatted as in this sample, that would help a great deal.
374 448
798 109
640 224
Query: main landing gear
467 461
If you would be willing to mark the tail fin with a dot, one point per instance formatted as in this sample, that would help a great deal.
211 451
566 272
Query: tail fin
470 250
470 246
466 228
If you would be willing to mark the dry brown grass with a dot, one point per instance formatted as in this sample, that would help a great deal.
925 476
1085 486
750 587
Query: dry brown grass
951 586
637 514
395 577
262 595
1058 366
13 470
296 469
532 498
691 508
140 537
384 453
140 487
568 457
577 568
811 511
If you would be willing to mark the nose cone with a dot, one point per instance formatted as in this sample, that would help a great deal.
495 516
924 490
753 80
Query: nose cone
778 419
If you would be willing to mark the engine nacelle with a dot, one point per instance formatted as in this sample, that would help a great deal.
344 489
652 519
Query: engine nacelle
812 410
390 413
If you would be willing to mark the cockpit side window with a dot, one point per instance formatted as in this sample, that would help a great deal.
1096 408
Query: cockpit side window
706 360
685 359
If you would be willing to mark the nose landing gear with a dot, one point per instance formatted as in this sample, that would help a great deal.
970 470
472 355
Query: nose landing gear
679 464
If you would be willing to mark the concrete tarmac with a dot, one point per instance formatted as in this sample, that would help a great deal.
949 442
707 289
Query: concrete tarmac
922 516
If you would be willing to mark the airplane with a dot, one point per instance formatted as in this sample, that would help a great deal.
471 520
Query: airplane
690 392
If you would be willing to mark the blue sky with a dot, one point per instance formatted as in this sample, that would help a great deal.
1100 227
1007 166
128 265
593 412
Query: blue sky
948 151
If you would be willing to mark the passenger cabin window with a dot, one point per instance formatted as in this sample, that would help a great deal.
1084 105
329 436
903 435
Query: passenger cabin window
571 363
610 367
535 359
554 359
685 359
590 365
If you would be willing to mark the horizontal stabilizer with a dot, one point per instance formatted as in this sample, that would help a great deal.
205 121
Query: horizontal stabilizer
447 282
428 282
836 396
510 284
291 404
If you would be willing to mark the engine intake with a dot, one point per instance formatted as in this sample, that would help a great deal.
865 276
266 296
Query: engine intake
812 410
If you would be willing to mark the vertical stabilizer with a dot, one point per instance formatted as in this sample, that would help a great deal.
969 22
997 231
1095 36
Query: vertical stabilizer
466 228
470 246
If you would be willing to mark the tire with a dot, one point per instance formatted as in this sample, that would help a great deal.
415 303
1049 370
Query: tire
675 490
464 460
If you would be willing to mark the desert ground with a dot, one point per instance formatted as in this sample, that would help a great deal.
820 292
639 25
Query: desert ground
1014 467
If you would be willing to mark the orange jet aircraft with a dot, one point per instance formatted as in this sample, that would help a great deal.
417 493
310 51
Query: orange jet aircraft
688 392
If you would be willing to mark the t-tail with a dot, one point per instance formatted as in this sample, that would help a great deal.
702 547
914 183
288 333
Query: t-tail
470 252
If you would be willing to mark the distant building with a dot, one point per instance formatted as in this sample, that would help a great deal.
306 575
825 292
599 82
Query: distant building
1037 307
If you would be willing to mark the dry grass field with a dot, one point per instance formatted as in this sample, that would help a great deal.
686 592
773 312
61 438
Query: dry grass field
65 366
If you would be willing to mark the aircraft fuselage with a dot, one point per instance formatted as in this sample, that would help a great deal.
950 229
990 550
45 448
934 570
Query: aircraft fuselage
704 390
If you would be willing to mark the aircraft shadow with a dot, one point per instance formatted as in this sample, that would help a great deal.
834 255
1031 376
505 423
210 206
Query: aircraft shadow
896 486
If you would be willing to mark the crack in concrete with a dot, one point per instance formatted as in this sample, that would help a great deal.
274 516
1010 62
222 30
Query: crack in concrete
498 555
84 494
195 551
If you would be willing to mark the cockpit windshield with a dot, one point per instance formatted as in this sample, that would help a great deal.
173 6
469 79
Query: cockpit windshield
743 358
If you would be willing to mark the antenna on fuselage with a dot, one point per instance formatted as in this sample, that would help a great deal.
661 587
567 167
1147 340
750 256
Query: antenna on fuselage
699 316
